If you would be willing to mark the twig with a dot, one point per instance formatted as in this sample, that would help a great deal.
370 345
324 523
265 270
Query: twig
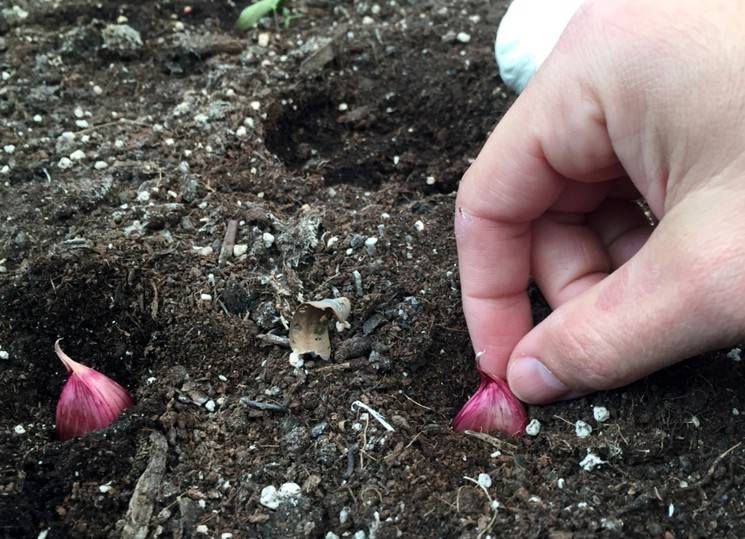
228 242
148 485
277 340
712 469
491 440
268 406
376 415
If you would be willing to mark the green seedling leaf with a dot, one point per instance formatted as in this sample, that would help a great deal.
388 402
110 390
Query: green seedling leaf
251 15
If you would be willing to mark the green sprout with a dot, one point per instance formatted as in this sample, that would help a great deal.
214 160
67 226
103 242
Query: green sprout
251 15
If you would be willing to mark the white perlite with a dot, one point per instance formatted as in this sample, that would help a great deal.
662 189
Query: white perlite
268 239
64 163
582 429
4 354
240 249
734 354
272 498
77 155
533 428
296 360
484 480
590 462
600 413
19 429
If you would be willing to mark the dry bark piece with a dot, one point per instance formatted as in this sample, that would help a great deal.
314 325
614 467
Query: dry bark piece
143 498
309 327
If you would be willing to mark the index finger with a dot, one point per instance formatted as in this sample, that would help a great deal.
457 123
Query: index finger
555 132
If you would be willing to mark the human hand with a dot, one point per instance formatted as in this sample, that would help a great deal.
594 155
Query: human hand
637 99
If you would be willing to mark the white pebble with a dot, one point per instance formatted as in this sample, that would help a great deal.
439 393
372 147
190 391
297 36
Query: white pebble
419 226
734 354
255 105
97 90
205 297
600 413
82 124
735 411
9 148
430 180
240 249
560 483
77 155
367 20
249 122
343 107
241 132
203 251
5 169
289 490
37 118
331 535
104 488
143 196
64 163
118 144
296 360
169 142
582 429
5 75
590 462
203 529
100 165
19 429
344 515
268 239
210 405
269 497
359 534
463 37
370 245
264 39
533 428
178 26
4 355
484 480
78 112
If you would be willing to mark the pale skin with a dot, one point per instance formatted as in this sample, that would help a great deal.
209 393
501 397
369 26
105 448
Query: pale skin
638 99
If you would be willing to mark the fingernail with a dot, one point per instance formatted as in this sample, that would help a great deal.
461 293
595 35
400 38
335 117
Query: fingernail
533 383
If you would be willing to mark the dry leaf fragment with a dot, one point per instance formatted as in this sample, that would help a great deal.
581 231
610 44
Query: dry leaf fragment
309 327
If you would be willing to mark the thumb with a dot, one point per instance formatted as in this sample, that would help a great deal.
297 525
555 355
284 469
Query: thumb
675 298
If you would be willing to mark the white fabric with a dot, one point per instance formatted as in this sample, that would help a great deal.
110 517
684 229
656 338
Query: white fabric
526 36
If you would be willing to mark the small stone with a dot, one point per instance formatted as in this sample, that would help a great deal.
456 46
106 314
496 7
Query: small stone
268 239
370 245
77 155
118 144
121 39
582 429
143 196
249 122
735 411
484 480
463 37
269 497
64 163
4 355
210 405
205 297
241 132
104 488
240 249
9 148
82 124
296 360
97 90
263 40
419 226
203 529
590 462
560 483
430 180
344 515
100 165
600 413
289 490
735 354
318 429
255 105
533 428
18 429
37 118
331 535
359 534
204 251
343 107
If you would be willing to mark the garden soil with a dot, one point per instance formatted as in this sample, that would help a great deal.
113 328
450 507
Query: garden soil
135 134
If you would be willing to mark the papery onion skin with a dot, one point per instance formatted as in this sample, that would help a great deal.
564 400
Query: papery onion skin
493 408
89 401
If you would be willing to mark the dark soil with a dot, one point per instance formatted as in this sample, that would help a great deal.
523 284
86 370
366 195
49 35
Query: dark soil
362 139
